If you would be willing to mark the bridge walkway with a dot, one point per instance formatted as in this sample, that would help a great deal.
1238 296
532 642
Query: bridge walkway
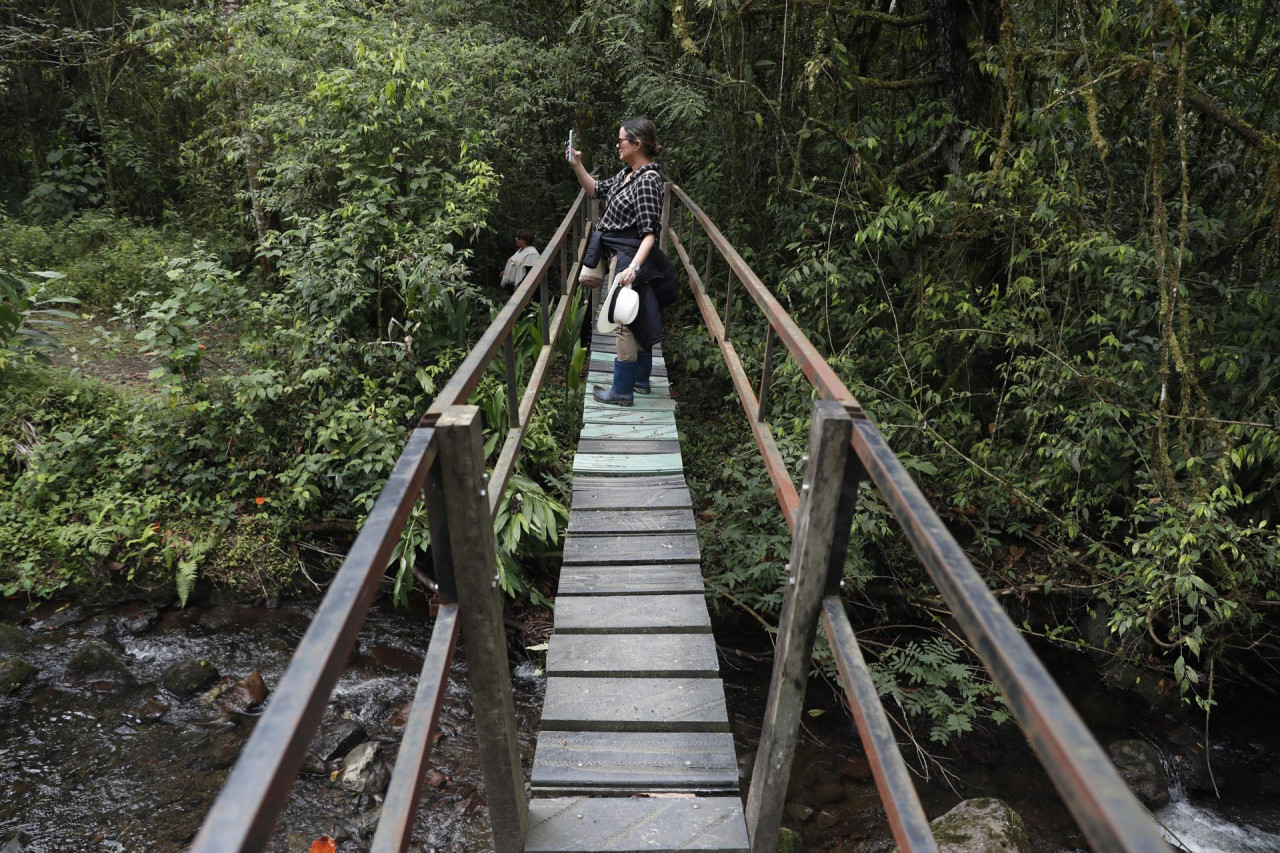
634 750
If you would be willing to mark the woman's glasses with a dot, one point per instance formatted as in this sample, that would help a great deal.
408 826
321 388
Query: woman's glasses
622 139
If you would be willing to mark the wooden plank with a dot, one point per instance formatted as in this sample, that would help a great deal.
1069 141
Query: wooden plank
653 432
622 415
634 761
635 705
651 402
612 614
636 825
623 464
659 384
631 521
619 499
658 361
631 550
628 444
631 656
658 481
631 580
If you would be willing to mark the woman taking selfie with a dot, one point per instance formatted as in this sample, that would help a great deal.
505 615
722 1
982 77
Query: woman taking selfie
628 232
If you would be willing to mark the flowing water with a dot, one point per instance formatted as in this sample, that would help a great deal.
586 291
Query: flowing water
128 767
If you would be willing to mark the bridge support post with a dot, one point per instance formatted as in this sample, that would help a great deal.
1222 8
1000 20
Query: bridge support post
480 606
827 501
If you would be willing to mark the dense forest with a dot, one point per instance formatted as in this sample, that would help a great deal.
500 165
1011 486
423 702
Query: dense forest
1039 241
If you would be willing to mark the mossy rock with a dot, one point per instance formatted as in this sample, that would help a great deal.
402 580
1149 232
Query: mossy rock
789 841
13 640
14 672
981 825
188 677
94 662
1140 767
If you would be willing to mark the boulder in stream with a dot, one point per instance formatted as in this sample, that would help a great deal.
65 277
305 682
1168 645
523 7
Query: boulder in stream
94 662
188 677
1140 767
14 672
364 770
336 738
247 694
13 640
981 825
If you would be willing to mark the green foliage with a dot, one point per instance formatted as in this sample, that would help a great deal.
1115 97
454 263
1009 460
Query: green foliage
29 318
931 681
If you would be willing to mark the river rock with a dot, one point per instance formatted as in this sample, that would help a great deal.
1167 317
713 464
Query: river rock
247 694
364 770
151 710
13 640
94 662
189 677
14 672
789 841
335 739
799 812
1139 766
15 843
138 619
982 825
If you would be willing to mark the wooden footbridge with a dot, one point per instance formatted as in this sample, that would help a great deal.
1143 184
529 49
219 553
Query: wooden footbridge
634 752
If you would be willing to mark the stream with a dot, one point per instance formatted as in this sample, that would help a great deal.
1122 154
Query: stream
122 764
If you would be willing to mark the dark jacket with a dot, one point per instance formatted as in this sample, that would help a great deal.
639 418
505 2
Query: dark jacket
655 284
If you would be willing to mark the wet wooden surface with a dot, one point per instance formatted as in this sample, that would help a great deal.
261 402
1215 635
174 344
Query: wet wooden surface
634 699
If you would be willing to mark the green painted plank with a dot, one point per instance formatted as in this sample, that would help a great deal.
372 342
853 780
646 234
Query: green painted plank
650 402
628 444
659 384
658 361
654 432
628 579
622 415
611 614
624 463
636 825
634 761
632 656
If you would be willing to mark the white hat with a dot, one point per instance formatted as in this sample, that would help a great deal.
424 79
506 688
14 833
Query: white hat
620 307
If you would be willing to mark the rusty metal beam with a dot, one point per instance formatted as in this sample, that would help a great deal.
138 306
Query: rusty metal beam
400 808
783 488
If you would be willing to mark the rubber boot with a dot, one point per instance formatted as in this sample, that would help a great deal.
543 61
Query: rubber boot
644 366
622 393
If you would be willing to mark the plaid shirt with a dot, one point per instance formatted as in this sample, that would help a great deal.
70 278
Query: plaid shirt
637 205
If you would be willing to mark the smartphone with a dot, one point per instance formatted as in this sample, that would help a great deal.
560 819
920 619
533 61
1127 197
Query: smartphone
568 152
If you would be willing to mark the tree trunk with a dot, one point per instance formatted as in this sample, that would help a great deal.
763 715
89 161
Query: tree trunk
252 158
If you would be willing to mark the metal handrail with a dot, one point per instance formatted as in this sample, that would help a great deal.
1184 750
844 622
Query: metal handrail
1105 809
245 812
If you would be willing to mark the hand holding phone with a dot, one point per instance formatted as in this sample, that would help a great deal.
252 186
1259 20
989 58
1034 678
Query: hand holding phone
568 151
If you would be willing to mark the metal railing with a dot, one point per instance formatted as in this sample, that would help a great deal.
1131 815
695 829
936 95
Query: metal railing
443 463
845 450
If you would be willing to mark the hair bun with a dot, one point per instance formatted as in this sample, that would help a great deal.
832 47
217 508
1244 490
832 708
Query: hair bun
657 150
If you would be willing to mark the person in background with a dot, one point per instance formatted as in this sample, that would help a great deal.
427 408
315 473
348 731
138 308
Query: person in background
519 264
628 231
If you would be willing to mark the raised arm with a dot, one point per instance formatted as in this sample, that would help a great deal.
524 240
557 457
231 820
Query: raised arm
588 183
